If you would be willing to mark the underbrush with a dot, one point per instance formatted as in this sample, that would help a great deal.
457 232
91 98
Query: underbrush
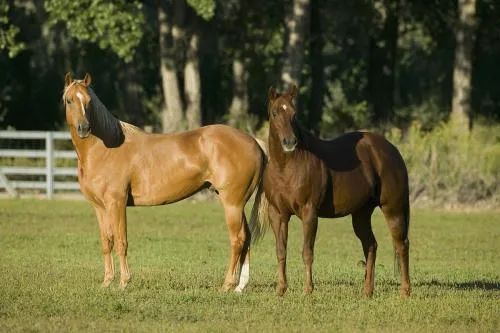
449 167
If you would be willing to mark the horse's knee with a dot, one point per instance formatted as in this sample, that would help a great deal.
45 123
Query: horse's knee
308 255
121 247
106 245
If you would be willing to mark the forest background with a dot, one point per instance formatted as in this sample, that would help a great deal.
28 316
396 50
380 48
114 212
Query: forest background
424 73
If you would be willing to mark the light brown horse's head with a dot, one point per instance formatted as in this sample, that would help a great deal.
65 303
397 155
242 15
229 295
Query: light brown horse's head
282 111
76 99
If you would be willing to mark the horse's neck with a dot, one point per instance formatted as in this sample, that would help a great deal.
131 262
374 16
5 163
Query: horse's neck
82 146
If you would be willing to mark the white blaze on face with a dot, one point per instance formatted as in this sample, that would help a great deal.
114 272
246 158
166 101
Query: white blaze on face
80 97
284 107
244 277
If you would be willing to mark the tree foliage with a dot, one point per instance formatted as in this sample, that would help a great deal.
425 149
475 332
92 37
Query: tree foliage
115 25
204 8
117 41
9 32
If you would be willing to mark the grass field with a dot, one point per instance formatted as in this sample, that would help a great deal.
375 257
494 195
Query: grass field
51 269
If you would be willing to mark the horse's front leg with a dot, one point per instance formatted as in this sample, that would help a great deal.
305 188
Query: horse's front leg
310 226
117 216
279 223
106 236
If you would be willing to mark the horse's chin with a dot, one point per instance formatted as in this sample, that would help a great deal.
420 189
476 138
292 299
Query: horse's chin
83 135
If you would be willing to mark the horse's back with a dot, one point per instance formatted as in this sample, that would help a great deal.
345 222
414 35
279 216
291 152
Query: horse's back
349 150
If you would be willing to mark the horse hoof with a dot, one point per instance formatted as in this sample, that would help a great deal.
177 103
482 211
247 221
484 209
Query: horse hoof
308 290
123 284
368 293
280 291
238 290
404 292
106 283
227 287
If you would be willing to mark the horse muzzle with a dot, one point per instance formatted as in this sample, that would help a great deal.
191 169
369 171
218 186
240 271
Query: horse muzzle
83 129
289 144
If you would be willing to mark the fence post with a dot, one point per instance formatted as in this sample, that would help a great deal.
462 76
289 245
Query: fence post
49 164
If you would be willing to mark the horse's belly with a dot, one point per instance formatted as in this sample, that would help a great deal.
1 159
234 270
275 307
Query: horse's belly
347 193
160 189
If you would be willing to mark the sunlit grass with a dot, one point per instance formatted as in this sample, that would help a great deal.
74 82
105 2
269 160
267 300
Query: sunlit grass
51 269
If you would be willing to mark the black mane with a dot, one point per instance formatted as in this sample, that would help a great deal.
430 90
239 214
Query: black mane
103 124
339 154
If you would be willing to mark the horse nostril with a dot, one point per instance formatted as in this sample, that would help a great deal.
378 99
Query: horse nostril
290 142
83 127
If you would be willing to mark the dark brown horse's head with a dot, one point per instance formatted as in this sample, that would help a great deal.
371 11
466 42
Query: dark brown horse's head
281 111
76 99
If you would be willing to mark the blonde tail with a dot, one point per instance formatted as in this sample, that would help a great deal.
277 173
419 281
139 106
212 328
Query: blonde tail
259 219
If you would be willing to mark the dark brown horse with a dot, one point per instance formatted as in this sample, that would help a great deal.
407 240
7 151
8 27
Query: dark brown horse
119 165
312 178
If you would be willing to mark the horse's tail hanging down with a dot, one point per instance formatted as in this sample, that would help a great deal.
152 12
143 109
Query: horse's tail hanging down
406 230
259 220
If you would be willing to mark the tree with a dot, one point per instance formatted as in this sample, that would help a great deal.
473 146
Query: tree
169 35
179 43
297 22
462 70
382 59
192 80
8 33
115 25
316 44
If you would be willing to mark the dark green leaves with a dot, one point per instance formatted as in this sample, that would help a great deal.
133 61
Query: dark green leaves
115 25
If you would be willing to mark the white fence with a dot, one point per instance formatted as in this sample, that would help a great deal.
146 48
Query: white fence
16 165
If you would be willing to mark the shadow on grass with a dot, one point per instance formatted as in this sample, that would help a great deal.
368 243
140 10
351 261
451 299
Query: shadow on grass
465 285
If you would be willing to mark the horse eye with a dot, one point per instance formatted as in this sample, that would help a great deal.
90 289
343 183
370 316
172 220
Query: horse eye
68 101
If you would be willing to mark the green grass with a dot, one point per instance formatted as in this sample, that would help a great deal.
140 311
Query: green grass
51 269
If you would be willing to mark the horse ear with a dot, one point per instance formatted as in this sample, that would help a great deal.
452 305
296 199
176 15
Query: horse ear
67 79
87 79
292 91
272 94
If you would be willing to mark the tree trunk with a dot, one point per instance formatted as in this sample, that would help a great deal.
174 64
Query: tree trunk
172 115
192 85
238 110
317 68
381 68
297 22
129 93
462 71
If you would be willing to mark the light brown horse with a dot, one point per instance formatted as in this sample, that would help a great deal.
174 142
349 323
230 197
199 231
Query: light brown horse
312 178
119 165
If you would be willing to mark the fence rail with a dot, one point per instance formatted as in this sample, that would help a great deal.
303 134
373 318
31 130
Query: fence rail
13 177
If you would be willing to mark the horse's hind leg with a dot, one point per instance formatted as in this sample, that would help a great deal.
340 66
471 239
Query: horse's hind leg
237 237
106 236
244 262
361 222
397 220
